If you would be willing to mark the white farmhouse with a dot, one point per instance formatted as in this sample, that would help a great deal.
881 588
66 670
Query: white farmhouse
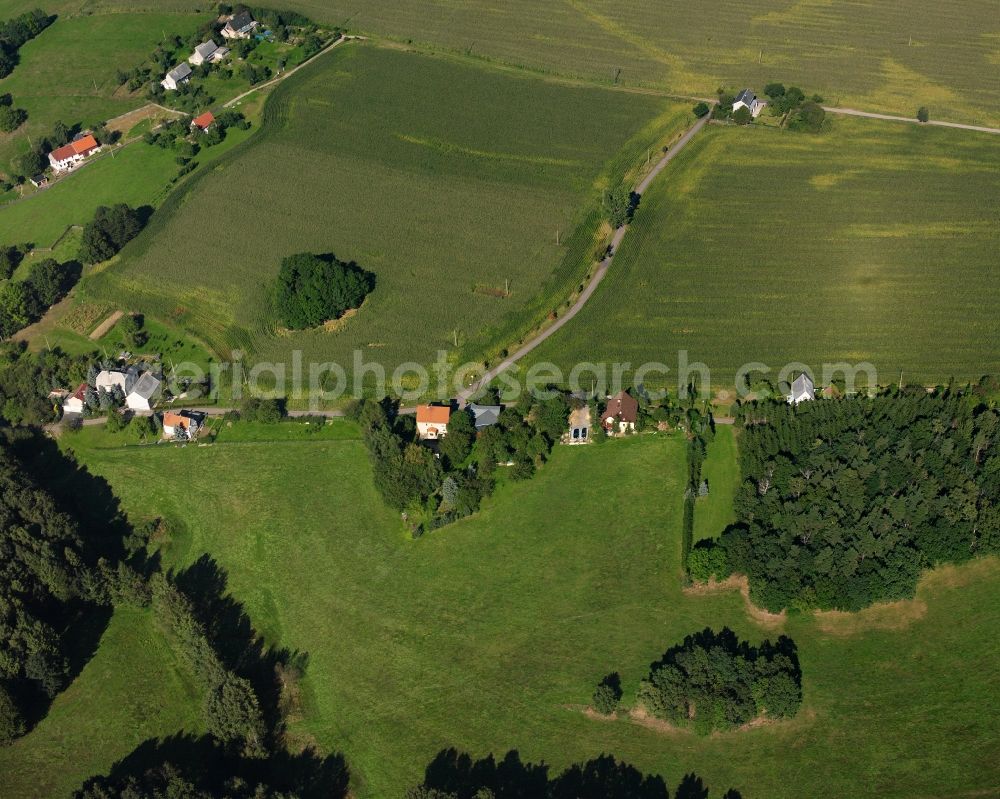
144 393
747 99
74 403
803 390
175 77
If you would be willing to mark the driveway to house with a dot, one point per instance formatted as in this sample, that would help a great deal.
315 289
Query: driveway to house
871 115
602 268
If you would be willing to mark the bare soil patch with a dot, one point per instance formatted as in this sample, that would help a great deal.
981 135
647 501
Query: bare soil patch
639 715
104 327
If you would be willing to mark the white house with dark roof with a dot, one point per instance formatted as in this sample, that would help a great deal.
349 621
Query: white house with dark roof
208 52
178 75
747 99
803 390
144 393
239 26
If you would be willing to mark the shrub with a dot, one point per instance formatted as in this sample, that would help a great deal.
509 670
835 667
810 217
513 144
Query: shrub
607 695
701 109
923 114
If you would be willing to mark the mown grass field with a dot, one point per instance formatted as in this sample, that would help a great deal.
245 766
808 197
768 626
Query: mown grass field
871 242
447 180
491 634
132 689
721 470
889 57
68 72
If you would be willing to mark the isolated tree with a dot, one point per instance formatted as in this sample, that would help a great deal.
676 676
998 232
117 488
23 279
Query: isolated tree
701 109
619 204
10 258
775 90
11 118
923 114
607 695
313 289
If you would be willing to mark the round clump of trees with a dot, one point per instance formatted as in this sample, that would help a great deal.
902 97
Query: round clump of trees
313 289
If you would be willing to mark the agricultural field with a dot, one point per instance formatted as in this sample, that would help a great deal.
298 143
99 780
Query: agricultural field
871 242
451 186
490 635
68 72
888 57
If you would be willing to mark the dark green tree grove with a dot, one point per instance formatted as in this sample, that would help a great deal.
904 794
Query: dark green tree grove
313 289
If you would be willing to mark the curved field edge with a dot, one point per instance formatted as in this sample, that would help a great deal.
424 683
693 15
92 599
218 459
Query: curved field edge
480 635
653 123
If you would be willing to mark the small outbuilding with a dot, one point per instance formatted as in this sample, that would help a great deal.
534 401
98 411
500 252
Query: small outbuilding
484 415
803 390
432 421
579 425
622 411
182 426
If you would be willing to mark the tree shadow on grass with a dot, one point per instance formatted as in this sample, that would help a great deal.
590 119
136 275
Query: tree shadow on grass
457 774
209 767
232 636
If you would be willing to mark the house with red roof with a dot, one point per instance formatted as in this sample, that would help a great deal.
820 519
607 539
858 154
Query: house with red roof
71 155
203 121
74 402
432 421
621 413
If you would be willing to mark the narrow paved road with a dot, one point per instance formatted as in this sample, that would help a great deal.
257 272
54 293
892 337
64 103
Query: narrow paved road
585 295
871 115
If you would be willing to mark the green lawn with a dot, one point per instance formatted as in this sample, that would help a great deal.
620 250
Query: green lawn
68 72
487 635
439 176
722 472
870 242
889 57
132 689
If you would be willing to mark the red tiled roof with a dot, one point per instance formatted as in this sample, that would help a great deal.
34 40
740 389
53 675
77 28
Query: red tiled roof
204 120
433 414
623 406
176 420
80 391
78 147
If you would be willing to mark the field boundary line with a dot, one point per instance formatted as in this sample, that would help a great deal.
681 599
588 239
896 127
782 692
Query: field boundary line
599 273
853 112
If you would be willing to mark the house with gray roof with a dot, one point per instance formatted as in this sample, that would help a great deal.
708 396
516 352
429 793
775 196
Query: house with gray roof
747 99
239 26
144 393
484 415
175 77
803 390
208 52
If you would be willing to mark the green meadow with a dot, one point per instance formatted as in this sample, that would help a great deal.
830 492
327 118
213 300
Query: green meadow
889 57
490 635
452 183
871 242
721 470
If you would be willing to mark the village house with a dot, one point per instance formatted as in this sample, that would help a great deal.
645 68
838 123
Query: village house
110 379
74 402
621 413
803 390
747 99
432 421
579 425
144 393
182 426
178 75
203 121
484 415
239 26
207 52
71 155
